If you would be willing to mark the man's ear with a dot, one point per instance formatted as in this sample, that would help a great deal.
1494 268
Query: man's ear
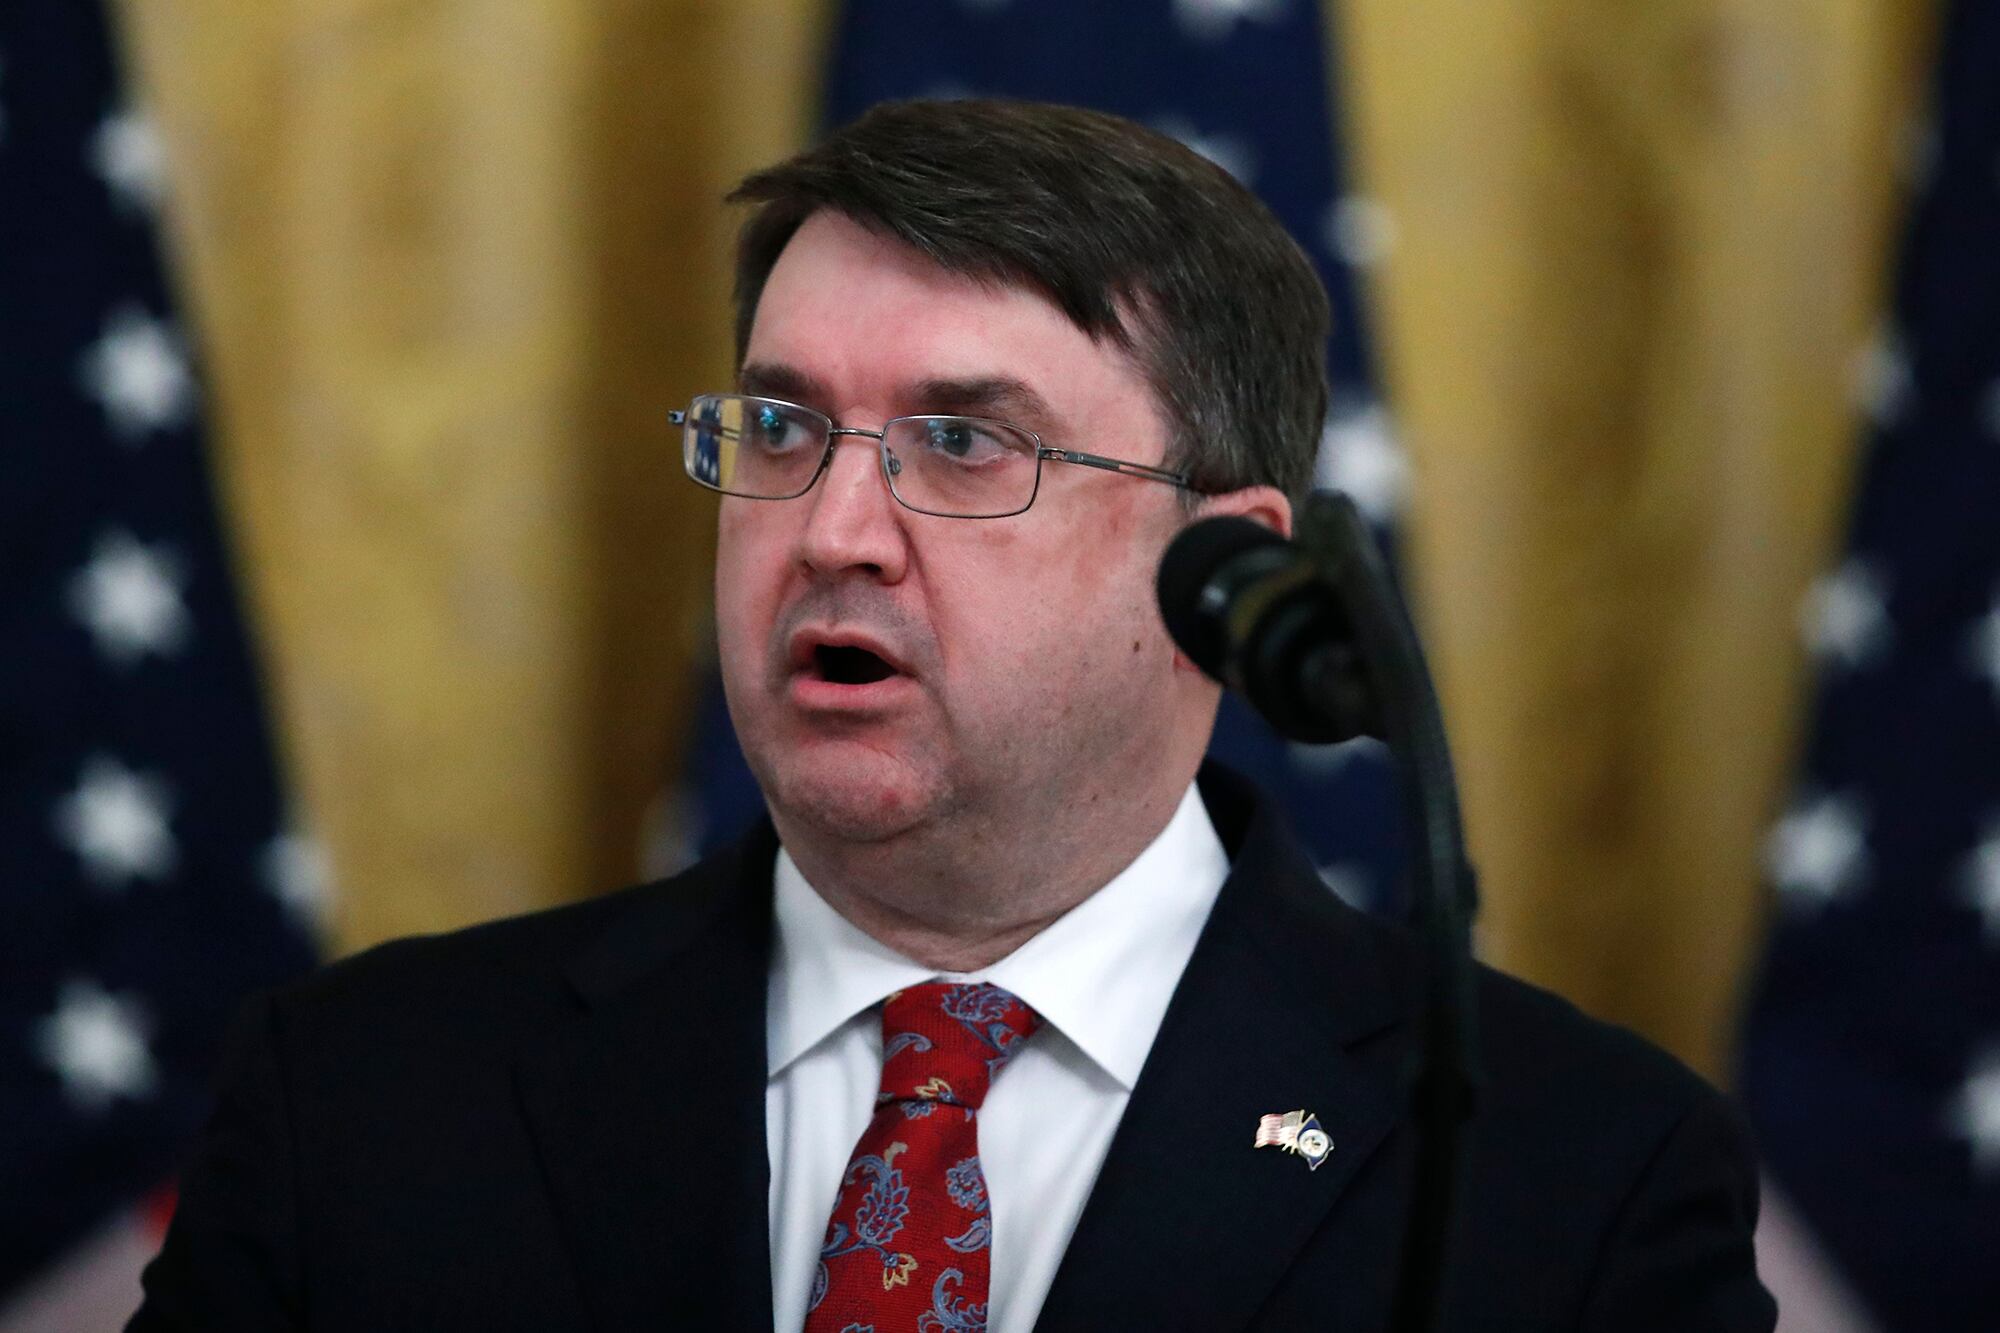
1264 504
1260 504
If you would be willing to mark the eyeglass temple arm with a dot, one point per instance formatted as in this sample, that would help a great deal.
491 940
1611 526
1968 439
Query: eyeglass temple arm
1118 465
678 417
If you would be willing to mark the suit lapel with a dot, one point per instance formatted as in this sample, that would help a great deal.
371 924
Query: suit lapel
1188 1226
647 1106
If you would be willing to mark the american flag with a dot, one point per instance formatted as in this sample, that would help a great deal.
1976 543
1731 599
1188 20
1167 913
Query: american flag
1248 84
149 877
1872 1055
1280 1131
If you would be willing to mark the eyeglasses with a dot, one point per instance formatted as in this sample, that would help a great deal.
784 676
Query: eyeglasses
952 467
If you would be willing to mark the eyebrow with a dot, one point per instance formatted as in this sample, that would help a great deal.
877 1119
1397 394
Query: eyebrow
1002 397
771 380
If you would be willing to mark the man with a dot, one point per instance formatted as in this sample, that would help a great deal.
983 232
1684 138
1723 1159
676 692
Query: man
997 1024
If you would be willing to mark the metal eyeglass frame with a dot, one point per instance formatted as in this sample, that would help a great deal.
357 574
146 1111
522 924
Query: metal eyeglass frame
679 417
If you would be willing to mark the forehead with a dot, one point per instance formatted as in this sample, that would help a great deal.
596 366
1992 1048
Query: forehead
872 323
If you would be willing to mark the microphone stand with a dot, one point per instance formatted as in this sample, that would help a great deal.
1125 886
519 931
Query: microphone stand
1400 706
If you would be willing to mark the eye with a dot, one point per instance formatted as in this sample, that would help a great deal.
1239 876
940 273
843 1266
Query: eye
772 430
962 440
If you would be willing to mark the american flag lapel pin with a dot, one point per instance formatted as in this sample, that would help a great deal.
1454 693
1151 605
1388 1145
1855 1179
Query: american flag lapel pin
1296 1132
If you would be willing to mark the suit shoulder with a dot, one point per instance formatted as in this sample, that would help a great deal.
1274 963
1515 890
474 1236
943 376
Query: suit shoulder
1598 1089
500 970
1531 1041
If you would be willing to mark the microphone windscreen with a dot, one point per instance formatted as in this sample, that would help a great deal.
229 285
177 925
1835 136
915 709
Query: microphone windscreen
1192 563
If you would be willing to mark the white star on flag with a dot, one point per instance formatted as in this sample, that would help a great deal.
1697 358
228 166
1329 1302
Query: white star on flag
1818 851
1986 647
1231 152
1845 616
1882 378
1358 454
138 371
296 870
128 153
1326 760
116 820
1360 230
1981 882
1212 20
1348 881
1917 151
671 835
96 1043
1974 1114
129 596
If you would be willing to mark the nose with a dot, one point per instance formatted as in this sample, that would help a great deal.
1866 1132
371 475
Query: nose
854 522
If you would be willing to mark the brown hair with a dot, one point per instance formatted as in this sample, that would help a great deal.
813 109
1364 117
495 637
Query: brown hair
1134 236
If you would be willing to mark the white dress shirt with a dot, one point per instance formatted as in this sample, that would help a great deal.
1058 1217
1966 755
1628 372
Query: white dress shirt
1100 976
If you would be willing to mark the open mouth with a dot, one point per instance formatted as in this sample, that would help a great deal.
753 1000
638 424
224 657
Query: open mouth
849 666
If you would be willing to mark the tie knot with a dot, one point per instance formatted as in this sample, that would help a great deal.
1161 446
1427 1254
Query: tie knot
944 1041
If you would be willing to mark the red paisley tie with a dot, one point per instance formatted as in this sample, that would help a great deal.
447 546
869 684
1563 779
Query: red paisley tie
906 1249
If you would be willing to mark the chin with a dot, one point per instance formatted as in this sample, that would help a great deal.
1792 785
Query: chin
856 798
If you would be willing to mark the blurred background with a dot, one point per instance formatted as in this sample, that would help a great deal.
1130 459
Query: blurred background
350 588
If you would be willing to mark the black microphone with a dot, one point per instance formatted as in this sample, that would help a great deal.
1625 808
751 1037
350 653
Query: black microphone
1313 634
1250 609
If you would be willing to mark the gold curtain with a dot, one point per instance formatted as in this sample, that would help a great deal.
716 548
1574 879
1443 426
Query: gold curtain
452 262
1636 248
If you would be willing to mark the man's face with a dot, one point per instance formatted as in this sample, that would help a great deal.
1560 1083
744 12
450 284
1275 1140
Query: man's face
1026 662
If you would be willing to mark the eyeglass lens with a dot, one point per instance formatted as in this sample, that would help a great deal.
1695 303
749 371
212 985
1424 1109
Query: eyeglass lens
760 448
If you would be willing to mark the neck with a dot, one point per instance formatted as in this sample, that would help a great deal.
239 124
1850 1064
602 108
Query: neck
961 898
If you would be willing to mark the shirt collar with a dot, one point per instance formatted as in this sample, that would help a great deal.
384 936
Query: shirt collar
1101 974
824 969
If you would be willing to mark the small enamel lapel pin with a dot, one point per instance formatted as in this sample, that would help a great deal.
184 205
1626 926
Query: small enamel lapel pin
1295 1132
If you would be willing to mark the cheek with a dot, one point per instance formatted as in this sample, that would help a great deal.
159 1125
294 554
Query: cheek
1080 612
747 577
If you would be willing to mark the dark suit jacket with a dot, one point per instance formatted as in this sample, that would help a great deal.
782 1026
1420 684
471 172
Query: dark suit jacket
556 1122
